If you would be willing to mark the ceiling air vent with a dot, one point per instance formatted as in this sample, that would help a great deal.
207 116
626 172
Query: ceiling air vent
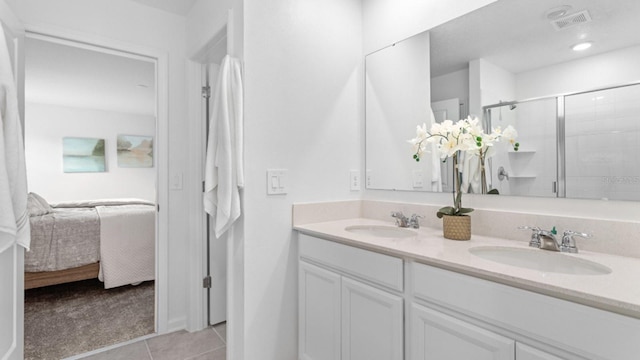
578 18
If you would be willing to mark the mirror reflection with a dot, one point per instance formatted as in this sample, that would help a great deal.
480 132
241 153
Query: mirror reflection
517 69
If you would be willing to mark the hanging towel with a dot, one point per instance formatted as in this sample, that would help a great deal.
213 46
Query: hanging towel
14 219
224 175
471 174
436 171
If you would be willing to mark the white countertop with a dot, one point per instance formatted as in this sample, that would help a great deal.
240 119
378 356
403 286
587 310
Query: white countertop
618 291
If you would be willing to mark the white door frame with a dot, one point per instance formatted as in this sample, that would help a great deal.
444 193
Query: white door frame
197 249
197 318
161 142
12 259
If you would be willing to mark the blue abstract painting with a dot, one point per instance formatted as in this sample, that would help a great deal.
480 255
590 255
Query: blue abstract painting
83 155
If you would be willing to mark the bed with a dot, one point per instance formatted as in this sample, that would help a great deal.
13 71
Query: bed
112 240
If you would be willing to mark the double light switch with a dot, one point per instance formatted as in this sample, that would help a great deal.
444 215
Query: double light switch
276 181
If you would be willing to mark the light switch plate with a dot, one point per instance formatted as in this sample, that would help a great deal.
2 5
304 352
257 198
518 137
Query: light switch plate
277 181
354 180
176 181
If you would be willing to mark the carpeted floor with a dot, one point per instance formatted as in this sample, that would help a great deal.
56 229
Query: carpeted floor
70 319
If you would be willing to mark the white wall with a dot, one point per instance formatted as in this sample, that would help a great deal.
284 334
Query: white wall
44 130
303 62
127 22
451 86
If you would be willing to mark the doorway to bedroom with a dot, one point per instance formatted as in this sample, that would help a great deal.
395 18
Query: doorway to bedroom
90 131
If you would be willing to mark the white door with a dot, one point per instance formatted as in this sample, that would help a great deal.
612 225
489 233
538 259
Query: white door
12 259
525 352
440 336
372 323
319 313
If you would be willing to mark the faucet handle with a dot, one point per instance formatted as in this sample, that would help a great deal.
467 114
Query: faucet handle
401 220
414 221
569 243
535 235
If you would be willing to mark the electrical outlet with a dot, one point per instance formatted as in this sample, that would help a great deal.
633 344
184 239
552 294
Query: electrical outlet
418 179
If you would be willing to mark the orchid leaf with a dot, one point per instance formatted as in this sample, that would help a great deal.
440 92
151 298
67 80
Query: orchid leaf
447 210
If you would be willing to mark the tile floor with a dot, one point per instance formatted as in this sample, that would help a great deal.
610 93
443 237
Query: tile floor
207 344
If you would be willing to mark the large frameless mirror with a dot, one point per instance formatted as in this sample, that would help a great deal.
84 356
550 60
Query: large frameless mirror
512 63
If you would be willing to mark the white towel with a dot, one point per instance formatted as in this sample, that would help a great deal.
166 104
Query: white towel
224 175
471 173
436 171
14 219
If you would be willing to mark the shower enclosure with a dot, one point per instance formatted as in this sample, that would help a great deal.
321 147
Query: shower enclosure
579 145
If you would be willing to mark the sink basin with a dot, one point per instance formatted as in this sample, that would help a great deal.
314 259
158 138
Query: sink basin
541 260
381 231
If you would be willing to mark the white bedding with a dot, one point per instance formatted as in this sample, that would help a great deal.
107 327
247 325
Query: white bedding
127 244
100 202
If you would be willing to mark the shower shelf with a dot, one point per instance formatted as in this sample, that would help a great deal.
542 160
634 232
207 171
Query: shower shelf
522 151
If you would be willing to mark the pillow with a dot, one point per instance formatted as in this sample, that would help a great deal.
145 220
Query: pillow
37 205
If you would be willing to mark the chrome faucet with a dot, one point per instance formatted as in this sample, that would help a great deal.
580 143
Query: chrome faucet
542 239
401 220
546 240
569 243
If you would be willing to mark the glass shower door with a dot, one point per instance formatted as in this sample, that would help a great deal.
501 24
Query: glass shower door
602 131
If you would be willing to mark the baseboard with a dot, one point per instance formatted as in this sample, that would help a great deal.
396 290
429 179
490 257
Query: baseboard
176 324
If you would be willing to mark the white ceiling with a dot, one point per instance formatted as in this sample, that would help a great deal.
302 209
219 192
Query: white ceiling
77 77
516 35
178 7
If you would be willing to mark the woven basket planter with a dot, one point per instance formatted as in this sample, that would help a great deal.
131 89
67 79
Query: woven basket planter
456 227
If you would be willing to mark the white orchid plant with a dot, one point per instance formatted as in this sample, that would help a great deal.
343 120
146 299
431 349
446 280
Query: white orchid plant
468 136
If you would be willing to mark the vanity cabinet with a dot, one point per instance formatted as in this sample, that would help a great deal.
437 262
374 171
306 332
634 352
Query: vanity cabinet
437 335
440 336
502 322
525 352
357 304
350 303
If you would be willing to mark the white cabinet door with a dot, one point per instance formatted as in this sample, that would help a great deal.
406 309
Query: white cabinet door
439 336
372 323
319 313
526 352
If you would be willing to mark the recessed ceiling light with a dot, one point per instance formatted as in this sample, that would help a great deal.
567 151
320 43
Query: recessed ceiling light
582 46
